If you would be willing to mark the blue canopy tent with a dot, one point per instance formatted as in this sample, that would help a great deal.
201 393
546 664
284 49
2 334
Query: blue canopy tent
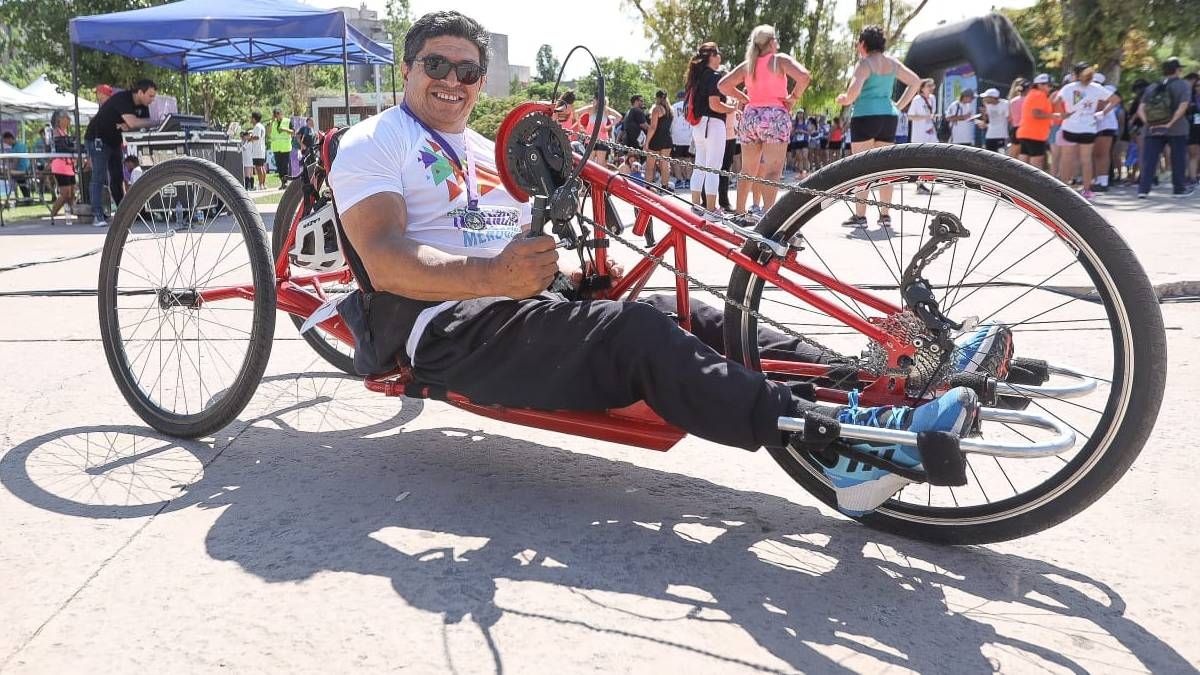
201 36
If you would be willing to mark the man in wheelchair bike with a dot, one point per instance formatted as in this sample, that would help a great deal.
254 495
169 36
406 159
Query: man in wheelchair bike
451 288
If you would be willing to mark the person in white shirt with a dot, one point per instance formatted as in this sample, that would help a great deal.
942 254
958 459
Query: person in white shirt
258 149
681 143
994 120
923 113
134 168
453 287
962 116
1085 103
1110 124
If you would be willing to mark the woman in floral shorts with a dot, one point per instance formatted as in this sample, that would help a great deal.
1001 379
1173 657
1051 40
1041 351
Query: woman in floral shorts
767 122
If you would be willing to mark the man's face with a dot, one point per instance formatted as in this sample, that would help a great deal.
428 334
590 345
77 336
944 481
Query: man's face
639 103
443 104
277 115
145 97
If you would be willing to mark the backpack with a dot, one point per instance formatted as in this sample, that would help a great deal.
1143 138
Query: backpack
1158 104
943 128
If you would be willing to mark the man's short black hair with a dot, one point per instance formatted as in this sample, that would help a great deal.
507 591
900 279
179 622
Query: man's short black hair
447 22
635 98
256 116
1080 67
132 159
144 84
873 38
8 134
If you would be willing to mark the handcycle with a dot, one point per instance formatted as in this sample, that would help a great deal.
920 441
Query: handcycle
187 310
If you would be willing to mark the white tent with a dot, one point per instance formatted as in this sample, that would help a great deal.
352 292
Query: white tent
13 100
46 91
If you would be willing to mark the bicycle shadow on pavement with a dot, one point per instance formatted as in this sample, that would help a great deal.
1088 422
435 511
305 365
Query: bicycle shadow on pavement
483 511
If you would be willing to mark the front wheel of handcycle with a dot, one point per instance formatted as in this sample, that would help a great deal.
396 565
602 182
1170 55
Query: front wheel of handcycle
1039 260
187 297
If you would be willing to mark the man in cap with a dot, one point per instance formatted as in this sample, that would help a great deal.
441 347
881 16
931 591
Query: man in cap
994 120
1037 114
1163 109
961 115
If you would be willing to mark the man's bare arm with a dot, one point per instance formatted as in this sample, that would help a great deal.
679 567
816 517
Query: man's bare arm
397 264
134 122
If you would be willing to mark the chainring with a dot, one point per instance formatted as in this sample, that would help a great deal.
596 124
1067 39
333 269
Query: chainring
538 149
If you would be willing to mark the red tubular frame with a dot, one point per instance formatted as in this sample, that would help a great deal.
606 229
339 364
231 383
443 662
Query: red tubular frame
636 425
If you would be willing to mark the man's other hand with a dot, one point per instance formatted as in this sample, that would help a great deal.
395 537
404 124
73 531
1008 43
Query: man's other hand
525 267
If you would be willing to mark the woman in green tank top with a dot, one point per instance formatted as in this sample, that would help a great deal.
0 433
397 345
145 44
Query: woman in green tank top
873 120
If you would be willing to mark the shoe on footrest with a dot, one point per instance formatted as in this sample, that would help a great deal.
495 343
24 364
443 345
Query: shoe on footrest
861 488
988 350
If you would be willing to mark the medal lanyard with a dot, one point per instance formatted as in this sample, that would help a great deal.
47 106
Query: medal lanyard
472 185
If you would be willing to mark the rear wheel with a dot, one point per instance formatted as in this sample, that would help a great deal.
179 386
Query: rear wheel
1038 259
335 352
187 297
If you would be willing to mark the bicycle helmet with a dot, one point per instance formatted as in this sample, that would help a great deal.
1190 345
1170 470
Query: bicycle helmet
316 246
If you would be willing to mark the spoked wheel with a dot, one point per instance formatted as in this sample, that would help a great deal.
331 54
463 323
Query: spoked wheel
335 352
187 297
1040 260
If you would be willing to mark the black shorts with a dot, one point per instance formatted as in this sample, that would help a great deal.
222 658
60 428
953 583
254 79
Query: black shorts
994 144
824 143
1081 139
1031 148
259 161
880 128
681 151
1012 135
659 148
1194 135
601 146
797 145
1111 133
64 181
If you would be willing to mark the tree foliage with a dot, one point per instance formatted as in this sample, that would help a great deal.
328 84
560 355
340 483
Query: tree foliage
677 27
622 80
547 64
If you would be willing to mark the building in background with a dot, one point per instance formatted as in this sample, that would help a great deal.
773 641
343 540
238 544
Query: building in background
367 21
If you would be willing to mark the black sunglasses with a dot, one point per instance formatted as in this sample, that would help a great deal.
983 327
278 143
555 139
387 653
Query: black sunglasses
438 67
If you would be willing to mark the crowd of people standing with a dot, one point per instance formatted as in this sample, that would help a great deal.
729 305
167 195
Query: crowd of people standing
746 120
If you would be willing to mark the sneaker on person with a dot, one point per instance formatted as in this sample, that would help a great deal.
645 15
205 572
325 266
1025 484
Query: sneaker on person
1188 192
988 350
861 488
99 222
855 222
1088 195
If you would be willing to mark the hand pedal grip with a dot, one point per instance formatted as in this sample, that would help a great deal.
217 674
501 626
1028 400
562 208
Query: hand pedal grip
1029 372
943 462
819 431
983 385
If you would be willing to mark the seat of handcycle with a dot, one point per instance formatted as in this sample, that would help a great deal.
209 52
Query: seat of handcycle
633 425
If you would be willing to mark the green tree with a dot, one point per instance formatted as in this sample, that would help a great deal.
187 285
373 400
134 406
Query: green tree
398 19
622 80
547 64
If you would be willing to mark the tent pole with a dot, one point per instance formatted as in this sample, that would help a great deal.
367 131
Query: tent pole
378 93
346 75
187 105
78 140
394 102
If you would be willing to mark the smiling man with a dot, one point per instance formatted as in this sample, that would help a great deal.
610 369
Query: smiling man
451 287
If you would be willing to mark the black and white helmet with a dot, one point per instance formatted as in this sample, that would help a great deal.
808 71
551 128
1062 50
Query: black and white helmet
316 246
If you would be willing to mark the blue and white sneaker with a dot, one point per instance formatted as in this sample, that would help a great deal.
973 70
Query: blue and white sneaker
861 488
988 350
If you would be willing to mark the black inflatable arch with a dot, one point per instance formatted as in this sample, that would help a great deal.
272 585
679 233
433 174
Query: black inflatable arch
989 43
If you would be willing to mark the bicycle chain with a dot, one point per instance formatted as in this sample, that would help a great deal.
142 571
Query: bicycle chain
787 187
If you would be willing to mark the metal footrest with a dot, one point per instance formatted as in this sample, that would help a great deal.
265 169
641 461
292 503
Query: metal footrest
1076 384
1062 441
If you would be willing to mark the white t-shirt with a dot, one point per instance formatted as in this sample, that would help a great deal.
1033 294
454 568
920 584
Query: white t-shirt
901 125
923 131
135 174
681 131
247 154
392 152
1082 102
258 147
997 114
962 131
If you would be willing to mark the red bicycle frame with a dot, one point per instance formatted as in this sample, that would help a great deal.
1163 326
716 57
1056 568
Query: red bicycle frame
301 295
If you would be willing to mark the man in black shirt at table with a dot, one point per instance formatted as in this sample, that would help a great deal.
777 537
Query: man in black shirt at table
123 111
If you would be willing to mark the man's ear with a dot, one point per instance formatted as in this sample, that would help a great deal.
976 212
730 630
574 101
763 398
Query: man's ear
404 71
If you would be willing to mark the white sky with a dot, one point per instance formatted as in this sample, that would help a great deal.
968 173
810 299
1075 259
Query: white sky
609 28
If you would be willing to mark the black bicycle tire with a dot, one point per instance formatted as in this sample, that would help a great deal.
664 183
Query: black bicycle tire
291 199
262 331
1136 295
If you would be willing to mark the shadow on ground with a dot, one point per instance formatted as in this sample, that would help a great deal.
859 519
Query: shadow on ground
310 484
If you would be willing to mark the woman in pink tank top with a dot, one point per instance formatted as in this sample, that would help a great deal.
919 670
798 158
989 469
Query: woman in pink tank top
760 84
